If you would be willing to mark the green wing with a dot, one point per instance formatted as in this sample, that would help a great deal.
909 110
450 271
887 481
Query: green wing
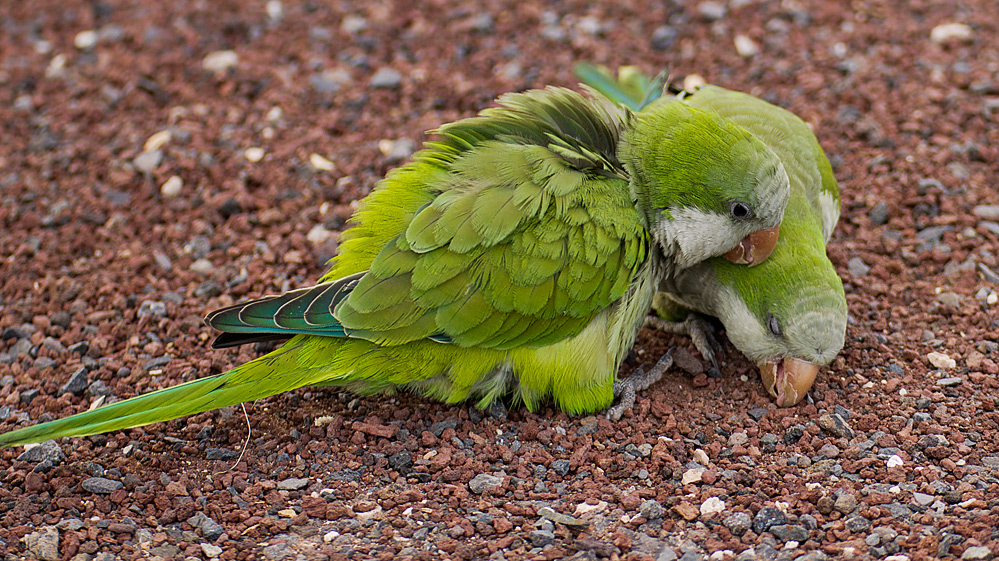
514 228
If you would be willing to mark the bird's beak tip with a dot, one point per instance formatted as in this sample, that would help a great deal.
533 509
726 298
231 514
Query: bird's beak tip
788 380
754 248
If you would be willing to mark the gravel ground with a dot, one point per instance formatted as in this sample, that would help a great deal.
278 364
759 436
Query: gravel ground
161 159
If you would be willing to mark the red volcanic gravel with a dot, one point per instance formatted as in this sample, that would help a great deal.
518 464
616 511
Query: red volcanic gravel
162 159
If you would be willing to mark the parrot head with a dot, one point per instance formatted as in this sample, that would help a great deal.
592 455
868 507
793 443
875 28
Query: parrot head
705 186
788 315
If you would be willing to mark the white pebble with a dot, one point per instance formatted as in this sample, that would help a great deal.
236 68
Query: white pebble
157 140
711 506
746 47
274 114
992 298
254 154
330 536
701 457
318 234
172 187
220 61
692 476
947 31
941 360
56 66
85 40
211 551
274 10
202 267
320 163
894 461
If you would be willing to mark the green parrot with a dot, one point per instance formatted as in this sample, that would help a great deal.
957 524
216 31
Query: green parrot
789 313
516 254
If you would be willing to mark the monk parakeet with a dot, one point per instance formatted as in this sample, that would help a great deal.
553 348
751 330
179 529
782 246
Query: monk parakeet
788 314
518 253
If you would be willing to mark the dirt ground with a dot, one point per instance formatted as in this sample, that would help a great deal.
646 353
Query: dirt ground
162 159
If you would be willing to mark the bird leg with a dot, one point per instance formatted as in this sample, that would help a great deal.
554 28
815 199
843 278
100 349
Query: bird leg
636 382
700 332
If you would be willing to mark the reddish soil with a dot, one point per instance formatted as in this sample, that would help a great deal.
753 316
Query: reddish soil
101 247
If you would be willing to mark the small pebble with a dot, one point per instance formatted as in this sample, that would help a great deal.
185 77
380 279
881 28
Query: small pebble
386 78
100 485
85 40
746 47
987 212
172 187
254 154
146 162
857 267
484 482
320 163
941 360
950 31
220 61
712 505
157 140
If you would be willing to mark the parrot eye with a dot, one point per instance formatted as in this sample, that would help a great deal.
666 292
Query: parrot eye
774 326
741 211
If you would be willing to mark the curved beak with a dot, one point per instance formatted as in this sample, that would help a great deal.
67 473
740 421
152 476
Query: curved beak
754 248
788 380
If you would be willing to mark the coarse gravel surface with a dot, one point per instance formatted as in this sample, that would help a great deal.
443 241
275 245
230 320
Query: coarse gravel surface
162 159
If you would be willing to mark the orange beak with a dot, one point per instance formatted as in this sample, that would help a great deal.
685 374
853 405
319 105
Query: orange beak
754 248
788 380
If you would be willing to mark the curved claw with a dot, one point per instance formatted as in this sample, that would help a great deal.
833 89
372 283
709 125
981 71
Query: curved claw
788 380
754 248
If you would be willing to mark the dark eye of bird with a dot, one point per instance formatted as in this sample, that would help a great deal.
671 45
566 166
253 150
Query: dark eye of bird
774 326
741 211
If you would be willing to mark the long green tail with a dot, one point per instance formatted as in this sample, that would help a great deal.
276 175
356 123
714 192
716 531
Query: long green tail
268 375
631 88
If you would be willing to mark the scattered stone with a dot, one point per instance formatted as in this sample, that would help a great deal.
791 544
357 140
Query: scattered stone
829 450
857 267
172 186
396 150
857 524
293 484
321 163
711 11
152 308
845 503
757 413
686 510
202 267
746 47
987 212
977 553
557 517
768 516
738 439
950 32
738 523
712 505
941 360
484 482
663 37
950 381
48 451
990 276
353 24
146 162
220 61
692 476
386 78
789 533
44 543
949 300
211 551
254 154
101 485
879 214
77 383
922 499
541 538
85 40
210 529
651 509
835 425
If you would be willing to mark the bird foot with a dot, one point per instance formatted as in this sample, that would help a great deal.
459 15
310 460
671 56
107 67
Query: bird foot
700 332
638 380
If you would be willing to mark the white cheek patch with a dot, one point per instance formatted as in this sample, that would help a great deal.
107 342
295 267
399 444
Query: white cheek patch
694 235
830 213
